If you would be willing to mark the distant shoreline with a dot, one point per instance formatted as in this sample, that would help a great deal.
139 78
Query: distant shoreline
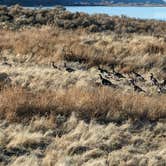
122 5
84 5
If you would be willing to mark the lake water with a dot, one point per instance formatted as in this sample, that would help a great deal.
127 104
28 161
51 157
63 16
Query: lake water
158 13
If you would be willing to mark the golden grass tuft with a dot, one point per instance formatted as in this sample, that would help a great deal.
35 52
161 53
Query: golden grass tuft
103 104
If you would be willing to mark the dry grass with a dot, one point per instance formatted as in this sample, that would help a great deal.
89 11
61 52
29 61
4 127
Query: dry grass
31 50
47 44
85 144
53 117
103 104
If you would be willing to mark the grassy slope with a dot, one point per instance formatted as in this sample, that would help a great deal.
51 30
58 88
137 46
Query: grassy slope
126 128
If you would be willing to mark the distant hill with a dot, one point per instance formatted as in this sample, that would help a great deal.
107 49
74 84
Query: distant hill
78 2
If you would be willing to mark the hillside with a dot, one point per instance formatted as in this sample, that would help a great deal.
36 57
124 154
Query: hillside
79 2
81 90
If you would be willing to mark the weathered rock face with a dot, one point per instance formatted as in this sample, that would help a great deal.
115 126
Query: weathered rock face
17 17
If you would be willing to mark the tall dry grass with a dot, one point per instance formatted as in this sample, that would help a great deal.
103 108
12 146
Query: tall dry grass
45 44
102 104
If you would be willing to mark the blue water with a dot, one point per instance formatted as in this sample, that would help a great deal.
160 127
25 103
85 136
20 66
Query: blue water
158 13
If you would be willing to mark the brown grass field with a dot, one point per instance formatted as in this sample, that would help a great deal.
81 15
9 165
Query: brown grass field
52 117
